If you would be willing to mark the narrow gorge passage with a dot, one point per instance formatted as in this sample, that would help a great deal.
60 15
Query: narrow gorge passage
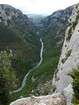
41 59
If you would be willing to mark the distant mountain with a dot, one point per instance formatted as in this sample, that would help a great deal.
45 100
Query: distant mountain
17 33
36 15
36 20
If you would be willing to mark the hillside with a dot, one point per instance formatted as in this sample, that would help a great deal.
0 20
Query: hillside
18 35
69 60
39 81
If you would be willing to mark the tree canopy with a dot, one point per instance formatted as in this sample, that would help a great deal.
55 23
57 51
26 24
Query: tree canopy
7 77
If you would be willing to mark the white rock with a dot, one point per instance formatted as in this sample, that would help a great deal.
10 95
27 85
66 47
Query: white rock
72 61
68 92
41 103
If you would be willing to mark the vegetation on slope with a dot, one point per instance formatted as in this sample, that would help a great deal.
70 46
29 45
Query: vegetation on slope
40 77
75 85
7 78
25 51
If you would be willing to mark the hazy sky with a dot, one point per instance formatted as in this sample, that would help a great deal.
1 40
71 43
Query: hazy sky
39 6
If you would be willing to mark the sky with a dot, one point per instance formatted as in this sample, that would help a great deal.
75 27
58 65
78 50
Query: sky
39 6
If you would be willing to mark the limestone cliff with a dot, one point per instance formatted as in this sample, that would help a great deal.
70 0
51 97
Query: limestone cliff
70 55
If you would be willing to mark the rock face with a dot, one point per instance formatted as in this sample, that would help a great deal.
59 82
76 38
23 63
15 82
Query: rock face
58 19
11 16
55 99
70 54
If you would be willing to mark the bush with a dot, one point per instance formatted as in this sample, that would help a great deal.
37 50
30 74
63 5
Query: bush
77 17
74 24
75 85
67 55
63 60
69 34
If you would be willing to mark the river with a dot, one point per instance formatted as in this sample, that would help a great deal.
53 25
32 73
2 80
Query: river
25 78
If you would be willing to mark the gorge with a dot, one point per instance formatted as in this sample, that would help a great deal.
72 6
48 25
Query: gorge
27 41
25 77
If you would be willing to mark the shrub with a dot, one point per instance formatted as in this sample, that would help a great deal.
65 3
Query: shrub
75 85
69 34
67 55
74 24
77 17
63 60
54 88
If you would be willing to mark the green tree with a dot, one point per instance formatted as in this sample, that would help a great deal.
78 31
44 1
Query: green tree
7 77
75 85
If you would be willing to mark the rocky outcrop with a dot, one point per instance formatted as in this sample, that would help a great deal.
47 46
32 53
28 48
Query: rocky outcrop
55 99
11 16
70 54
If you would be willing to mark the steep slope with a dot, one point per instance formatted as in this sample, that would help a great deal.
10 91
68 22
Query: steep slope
17 34
70 54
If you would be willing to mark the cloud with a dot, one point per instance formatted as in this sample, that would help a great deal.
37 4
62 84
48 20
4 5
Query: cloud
39 6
